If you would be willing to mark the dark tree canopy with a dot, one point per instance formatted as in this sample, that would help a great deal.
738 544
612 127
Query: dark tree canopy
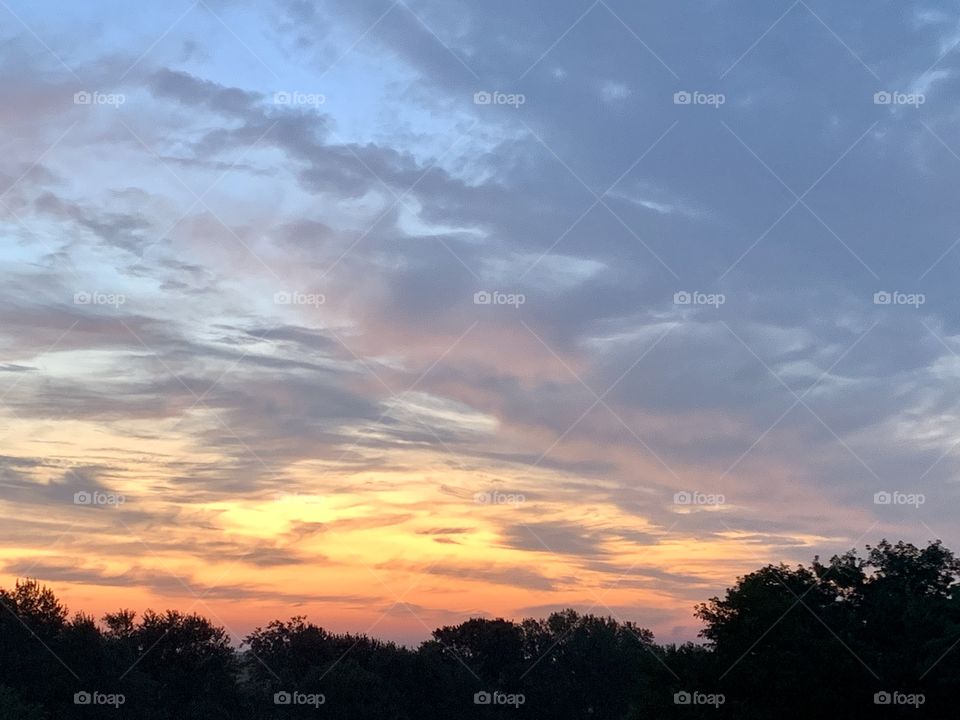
871 635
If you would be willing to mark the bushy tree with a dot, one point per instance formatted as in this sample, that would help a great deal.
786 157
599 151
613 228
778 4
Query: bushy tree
357 676
784 642
828 637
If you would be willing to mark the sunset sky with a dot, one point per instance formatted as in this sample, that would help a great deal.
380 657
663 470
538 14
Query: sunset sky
396 313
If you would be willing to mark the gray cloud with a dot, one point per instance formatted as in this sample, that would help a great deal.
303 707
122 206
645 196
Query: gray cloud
305 199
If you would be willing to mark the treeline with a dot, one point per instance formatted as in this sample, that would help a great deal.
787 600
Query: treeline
859 636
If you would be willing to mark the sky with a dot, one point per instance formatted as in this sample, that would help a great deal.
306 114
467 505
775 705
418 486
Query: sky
396 313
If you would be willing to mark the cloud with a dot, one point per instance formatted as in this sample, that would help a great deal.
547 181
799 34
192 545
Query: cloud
599 199
519 577
561 538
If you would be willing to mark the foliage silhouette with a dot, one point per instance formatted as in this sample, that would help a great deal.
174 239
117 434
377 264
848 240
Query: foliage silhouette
858 636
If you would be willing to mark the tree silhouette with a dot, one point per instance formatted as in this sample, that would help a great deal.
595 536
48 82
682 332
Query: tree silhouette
856 636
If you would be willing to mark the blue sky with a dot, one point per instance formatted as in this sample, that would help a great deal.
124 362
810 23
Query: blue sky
721 240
